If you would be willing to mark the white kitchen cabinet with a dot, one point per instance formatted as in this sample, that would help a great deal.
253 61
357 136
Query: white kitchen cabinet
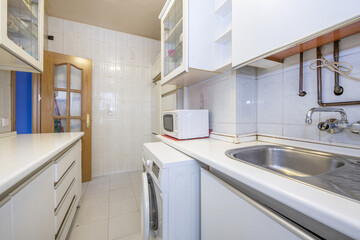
189 51
5 219
33 207
22 35
226 213
67 189
262 28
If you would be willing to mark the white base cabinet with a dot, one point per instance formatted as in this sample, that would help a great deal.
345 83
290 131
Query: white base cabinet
5 219
32 208
44 205
229 214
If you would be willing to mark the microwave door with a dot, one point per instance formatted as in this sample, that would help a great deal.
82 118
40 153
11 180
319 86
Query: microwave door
168 122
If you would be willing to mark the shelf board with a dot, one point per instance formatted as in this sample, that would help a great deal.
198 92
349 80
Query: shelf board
172 31
329 37
224 8
191 77
225 67
224 38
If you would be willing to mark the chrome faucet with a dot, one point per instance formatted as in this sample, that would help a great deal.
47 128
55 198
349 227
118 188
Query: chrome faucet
333 125
309 114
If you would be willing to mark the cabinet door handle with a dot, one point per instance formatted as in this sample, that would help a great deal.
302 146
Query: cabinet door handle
87 120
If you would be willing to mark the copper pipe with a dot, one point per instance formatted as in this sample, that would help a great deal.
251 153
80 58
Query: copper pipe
338 90
302 93
319 86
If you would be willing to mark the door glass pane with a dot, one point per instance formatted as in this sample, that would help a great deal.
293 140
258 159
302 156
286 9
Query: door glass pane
59 103
59 125
76 76
75 125
60 76
75 104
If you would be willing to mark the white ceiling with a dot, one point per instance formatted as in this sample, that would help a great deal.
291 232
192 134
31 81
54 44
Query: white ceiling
139 17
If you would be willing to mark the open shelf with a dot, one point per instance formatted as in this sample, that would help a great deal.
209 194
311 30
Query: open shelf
224 8
224 38
224 68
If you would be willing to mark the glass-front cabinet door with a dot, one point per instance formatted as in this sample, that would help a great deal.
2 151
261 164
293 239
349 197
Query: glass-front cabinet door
173 39
22 34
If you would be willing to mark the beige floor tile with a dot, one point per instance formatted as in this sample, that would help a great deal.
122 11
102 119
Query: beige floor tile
120 194
123 207
138 201
95 199
137 189
126 183
136 236
124 225
98 180
119 177
92 214
97 188
92 231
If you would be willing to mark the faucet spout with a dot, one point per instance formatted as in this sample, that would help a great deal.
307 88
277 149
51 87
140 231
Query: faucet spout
309 114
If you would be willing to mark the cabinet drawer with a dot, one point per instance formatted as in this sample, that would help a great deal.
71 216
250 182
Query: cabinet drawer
64 206
64 183
64 162
67 222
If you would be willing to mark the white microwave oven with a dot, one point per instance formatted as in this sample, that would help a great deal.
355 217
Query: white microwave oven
186 124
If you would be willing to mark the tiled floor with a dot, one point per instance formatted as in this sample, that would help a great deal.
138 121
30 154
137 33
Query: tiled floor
110 209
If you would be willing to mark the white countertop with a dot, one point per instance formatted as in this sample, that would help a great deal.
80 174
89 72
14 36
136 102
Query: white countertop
20 155
333 210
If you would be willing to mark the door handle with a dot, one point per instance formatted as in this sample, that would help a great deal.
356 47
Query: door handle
87 120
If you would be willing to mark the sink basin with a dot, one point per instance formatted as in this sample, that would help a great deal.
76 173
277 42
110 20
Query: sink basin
289 161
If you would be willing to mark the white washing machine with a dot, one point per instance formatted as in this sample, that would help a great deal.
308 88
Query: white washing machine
170 198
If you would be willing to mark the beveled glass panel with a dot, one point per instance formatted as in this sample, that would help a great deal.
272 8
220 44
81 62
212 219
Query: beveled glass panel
60 76
75 125
75 104
59 103
76 78
22 25
59 125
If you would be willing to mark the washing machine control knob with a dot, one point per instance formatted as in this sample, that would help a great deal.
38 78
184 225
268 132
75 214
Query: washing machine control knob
148 163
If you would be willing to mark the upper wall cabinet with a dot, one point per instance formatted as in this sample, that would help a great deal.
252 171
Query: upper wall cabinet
262 28
21 38
195 40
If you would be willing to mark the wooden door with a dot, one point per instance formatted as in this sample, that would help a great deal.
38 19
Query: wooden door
66 100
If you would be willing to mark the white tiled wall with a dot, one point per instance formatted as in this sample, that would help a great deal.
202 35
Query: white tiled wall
5 100
282 112
230 98
121 90
240 104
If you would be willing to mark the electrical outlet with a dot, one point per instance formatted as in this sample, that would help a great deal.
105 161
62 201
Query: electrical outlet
5 122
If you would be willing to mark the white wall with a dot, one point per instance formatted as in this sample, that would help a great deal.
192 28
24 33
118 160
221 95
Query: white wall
121 90
230 98
5 100
282 112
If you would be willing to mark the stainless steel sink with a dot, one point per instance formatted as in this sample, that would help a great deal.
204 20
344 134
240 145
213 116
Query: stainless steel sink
287 160
332 172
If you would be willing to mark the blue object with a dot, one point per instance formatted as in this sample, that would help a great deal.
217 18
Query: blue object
23 103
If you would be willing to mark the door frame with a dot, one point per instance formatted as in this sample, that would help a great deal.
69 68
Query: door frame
47 103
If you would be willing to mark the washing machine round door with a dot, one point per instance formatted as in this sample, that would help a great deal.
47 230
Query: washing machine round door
145 209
